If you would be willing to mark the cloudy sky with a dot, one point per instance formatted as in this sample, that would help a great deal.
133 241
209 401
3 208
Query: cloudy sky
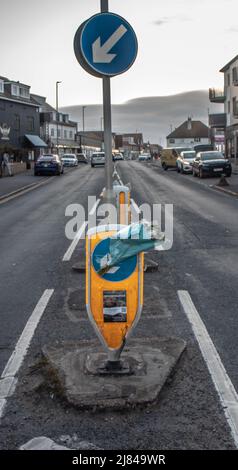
182 46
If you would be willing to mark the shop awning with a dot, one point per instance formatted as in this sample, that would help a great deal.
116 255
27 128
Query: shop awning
35 140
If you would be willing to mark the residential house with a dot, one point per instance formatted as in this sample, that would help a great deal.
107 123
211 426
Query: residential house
19 121
228 121
189 134
129 144
58 131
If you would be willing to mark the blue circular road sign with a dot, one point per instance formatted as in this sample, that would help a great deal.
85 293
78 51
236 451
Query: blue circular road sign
106 45
117 273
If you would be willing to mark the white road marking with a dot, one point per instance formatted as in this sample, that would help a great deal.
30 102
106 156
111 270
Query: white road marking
222 382
118 177
8 380
94 207
69 252
24 190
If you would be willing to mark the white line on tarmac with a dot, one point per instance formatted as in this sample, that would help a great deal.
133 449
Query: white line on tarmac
94 207
119 178
8 378
24 190
69 252
222 382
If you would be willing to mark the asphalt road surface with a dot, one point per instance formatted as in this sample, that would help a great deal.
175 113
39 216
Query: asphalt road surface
203 262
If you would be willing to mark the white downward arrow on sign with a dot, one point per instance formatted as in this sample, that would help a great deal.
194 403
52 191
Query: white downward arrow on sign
101 52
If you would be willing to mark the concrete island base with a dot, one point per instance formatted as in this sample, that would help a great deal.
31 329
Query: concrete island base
77 371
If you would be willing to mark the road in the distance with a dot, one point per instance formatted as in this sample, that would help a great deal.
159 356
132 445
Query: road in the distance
204 257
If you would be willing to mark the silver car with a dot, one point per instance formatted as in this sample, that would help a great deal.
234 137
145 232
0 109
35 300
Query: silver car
69 159
97 159
185 160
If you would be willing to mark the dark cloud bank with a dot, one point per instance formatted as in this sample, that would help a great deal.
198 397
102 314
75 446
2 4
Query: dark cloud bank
151 115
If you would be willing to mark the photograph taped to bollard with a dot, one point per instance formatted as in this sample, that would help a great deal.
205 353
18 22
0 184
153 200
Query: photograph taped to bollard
114 306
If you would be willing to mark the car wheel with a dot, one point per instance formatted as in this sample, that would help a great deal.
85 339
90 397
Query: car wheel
228 175
164 166
92 166
201 175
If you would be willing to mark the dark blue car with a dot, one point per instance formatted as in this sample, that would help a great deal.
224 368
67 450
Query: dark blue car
211 163
49 165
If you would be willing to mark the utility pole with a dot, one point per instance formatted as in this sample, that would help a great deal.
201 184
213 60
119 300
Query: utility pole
107 124
57 115
83 108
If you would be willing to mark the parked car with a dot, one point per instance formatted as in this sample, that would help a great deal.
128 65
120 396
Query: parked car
185 160
211 163
117 156
81 157
144 157
69 159
203 148
49 164
169 156
97 159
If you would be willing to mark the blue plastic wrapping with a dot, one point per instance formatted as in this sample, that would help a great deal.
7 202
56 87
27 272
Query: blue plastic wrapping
131 241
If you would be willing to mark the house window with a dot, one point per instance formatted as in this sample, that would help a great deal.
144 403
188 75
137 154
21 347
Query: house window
24 92
235 75
30 123
228 80
171 141
17 122
70 134
65 134
52 132
197 139
228 107
15 90
1 86
233 105
58 132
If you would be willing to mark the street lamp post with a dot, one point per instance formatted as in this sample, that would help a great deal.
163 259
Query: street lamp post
83 118
57 115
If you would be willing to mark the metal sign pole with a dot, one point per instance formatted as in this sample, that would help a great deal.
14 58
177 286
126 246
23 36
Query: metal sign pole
107 124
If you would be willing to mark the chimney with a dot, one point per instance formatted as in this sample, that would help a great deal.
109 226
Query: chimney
189 124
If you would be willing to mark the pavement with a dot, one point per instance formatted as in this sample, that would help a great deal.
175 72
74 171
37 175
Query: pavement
188 413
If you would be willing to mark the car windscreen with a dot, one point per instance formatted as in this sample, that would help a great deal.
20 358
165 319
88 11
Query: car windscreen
189 155
212 156
46 159
180 149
